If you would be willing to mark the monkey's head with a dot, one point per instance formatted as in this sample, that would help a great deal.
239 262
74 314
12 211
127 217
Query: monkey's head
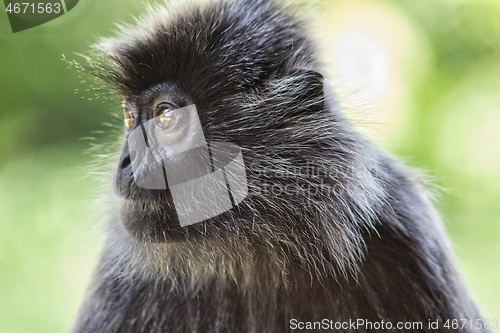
249 69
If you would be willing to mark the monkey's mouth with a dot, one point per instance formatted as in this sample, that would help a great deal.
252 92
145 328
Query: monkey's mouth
150 222
147 215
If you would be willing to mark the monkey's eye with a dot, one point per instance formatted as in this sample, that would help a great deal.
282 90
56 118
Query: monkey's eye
168 118
129 118
172 124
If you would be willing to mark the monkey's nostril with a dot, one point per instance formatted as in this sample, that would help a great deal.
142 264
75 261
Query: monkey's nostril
125 162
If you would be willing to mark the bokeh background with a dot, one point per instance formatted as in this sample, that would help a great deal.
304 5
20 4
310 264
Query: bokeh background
421 78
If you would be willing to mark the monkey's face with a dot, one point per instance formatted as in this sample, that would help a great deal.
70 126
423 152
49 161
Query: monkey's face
170 174
148 211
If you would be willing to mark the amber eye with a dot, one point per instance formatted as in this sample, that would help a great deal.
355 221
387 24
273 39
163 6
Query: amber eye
129 119
165 118
168 118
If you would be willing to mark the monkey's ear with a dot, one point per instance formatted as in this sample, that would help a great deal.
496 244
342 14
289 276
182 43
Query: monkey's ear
313 81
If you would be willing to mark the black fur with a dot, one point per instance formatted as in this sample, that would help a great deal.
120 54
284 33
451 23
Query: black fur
333 228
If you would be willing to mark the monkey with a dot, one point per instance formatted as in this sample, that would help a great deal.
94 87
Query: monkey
330 233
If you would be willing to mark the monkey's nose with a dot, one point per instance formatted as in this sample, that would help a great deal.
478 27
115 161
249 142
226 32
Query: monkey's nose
124 174
125 162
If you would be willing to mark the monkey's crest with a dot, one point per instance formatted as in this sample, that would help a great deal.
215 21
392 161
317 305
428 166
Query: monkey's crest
238 45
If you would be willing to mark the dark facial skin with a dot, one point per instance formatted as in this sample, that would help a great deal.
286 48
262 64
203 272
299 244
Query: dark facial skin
160 223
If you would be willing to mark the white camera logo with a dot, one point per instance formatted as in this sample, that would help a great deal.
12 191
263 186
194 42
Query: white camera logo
205 179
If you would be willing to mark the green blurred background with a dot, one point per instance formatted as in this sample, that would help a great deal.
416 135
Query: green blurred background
436 103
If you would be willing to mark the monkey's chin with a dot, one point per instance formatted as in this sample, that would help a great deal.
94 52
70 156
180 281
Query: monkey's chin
150 225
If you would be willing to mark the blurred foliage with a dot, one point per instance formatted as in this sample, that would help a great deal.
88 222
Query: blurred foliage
456 132
46 253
